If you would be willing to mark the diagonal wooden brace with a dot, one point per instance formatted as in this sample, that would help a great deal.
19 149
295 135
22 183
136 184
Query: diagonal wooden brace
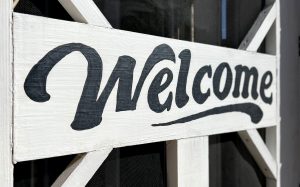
85 11
253 141
81 169
259 29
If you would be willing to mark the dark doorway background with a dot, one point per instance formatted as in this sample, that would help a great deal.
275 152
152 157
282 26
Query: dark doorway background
216 22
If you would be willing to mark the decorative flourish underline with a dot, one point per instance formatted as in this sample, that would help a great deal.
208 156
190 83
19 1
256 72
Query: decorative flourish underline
251 109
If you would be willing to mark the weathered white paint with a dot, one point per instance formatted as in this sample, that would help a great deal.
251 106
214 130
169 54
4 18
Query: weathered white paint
188 162
6 165
81 169
48 124
85 11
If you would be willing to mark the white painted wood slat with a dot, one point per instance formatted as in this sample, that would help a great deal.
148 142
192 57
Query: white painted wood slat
82 169
188 162
260 152
259 30
6 94
85 11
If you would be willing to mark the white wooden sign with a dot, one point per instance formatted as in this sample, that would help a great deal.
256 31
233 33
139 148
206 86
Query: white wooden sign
79 88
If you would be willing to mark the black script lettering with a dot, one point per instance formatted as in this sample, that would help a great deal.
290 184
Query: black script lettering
247 74
264 86
89 110
160 53
35 83
217 80
156 87
181 96
90 107
198 95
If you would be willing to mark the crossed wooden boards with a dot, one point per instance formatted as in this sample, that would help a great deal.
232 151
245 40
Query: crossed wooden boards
81 88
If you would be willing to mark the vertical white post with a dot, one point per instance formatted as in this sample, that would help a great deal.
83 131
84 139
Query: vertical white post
187 162
6 166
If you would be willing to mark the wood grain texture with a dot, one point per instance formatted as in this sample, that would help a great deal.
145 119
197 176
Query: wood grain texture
48 124
6 165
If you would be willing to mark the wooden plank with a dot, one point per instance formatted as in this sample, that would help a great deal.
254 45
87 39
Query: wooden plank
188 162
48 123
260 152
85 11
82 169
6 165
259 30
